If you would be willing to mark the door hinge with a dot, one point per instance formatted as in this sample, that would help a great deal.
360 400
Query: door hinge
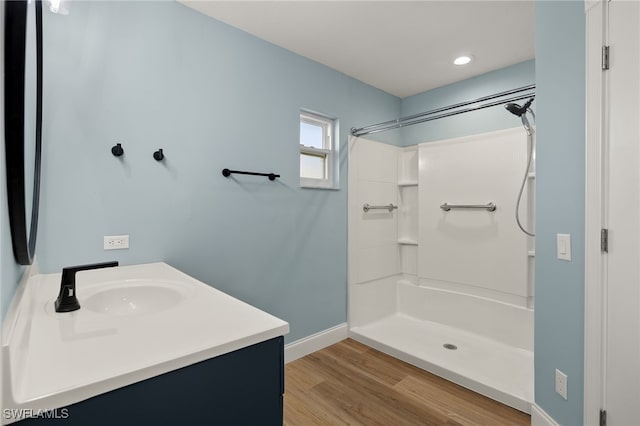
603 417
604 240
605 58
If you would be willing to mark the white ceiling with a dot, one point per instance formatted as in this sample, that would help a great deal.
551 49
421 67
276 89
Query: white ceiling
401 47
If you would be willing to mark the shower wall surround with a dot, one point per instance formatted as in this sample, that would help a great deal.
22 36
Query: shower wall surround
158 74
478 252
373 236
411 313
421 277
482 251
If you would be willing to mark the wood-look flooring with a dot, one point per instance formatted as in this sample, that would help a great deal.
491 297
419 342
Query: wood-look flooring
352 384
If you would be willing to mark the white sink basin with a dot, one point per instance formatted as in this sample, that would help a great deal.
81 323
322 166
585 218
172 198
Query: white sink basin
136 297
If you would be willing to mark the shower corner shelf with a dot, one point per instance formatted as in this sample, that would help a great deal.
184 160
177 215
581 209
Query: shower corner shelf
531 175
531 253
407 242
408 183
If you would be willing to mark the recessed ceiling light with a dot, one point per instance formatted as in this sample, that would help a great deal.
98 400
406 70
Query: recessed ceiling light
462 60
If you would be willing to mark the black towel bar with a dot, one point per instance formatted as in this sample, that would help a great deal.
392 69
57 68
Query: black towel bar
227 173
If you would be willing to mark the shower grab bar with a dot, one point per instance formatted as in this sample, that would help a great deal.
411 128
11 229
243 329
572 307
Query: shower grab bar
490 207
389 207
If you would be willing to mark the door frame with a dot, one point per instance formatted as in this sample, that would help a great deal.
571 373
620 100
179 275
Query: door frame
596 165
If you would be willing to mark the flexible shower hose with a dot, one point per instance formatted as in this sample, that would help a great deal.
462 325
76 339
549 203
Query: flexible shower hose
526 175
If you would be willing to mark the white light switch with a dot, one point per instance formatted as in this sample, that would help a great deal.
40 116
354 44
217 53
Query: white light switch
564 246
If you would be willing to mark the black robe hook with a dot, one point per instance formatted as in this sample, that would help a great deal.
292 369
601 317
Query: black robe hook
158 155
117 150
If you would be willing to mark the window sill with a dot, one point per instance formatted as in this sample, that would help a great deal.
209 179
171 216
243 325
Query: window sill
308 183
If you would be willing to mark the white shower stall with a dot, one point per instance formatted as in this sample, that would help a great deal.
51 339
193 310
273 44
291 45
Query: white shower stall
437 277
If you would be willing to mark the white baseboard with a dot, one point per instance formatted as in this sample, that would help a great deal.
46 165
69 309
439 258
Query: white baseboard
540 418
315 342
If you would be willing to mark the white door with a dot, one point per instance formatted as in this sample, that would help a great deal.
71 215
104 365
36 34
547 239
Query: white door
621 377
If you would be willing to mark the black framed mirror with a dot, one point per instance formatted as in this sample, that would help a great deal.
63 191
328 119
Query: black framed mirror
23 122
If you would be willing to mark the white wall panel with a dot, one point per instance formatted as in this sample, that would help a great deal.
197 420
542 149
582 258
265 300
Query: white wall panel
377 262
408 164
409 259
377 161
373 236
473 247
375 300
408 213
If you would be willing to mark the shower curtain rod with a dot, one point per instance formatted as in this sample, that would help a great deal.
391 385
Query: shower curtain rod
445 111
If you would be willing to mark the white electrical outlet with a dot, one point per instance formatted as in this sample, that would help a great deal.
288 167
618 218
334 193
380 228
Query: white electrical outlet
561 384
116 242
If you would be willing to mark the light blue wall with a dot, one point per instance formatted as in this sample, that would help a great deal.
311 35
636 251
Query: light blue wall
481 121
559 325
159 75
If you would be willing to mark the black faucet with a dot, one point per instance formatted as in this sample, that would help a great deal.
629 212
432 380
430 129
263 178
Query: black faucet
67 300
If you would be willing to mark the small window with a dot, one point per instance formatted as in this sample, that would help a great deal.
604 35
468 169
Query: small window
317 151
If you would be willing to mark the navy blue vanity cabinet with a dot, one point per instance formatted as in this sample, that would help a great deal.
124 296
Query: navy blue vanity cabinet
244 387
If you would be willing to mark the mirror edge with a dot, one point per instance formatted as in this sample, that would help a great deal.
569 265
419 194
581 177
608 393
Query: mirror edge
14 50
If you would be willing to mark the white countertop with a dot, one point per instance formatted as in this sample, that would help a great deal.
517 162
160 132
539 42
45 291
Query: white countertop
56 359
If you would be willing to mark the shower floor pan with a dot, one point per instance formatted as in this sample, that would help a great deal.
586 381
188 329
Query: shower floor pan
485 366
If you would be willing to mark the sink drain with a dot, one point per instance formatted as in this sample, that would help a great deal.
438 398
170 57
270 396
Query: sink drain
450 346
